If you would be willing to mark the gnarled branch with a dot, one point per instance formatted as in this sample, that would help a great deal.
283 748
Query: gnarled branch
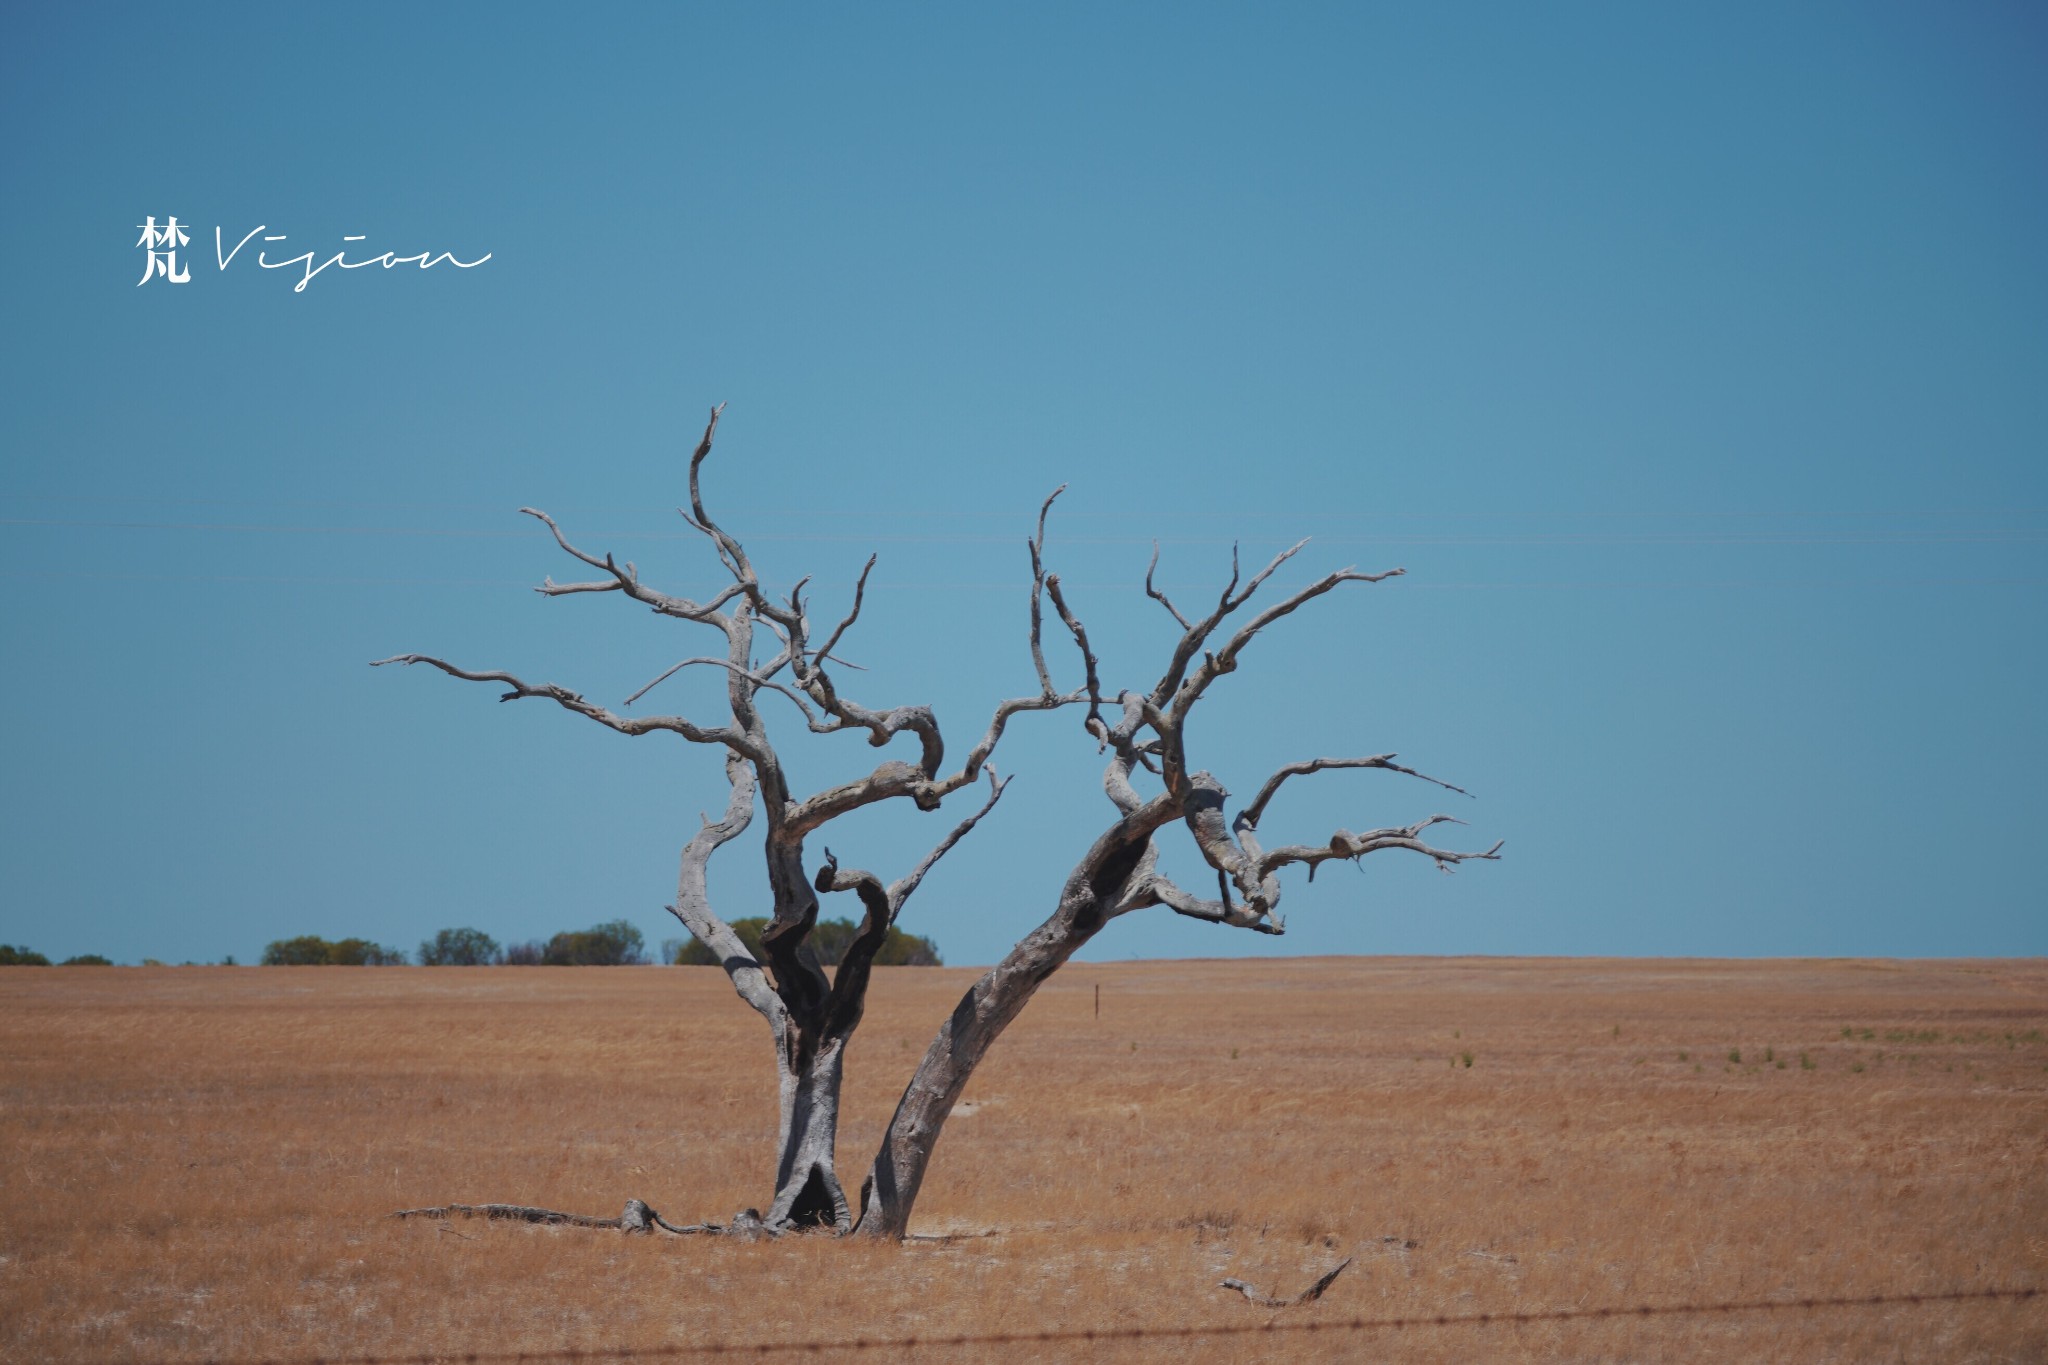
627 580
760 679
1248 818
882 905
728 735
1346 845
693 899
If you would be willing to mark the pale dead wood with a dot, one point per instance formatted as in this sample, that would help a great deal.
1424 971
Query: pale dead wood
1120 873
1308 1295
811 1016
636 1217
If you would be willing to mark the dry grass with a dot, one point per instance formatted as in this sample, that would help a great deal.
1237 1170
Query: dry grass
197 1161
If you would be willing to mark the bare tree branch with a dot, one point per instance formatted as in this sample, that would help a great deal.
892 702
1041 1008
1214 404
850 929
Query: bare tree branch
901 888
757 679
1037 547
1164 892
1248 818
1158 596
848 998
1047 698
1308 1295
1080 634
1184 695
730 736
637 1217
729 549
1344 844
1198 634
693 899
860 589
1262 575
627 581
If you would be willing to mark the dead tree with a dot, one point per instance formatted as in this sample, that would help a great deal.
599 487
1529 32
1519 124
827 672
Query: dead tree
810 1016
1120 871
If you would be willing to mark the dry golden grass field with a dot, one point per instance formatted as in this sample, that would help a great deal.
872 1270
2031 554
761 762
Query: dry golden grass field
198 1161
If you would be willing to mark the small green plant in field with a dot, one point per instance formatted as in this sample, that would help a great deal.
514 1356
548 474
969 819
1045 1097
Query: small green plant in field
1781 1066
1697 1067
1466 1057
1617 1030
1806 1062
1233 1054
1848 1032
1684 1056
1735 1056
1856 1067
1770 1054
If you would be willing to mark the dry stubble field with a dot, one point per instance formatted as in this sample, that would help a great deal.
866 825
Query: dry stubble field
198 1161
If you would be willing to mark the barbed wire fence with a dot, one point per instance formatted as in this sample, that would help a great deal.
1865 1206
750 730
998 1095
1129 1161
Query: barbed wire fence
1100 1336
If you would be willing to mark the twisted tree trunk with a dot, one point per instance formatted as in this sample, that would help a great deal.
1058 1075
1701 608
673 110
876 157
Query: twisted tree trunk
807 1189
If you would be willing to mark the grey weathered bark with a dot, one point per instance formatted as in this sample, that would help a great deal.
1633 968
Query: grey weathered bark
810 1017
1308 1295
1119 873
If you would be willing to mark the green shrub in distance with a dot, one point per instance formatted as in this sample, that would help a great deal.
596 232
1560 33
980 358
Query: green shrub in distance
88 960
310 950
21 957
614 943
459 948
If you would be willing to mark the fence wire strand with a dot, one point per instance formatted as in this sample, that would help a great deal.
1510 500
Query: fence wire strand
1104 1335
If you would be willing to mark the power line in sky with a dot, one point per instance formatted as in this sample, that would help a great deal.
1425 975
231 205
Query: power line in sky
1988 536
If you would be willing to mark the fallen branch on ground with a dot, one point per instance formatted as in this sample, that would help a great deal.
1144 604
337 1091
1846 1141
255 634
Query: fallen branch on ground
636 1217
1308 1295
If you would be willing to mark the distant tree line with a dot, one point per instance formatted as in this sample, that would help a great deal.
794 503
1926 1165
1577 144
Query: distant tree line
310 950
11 956
614 943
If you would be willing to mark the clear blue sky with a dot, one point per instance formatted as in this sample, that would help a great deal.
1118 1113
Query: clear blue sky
1694 363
